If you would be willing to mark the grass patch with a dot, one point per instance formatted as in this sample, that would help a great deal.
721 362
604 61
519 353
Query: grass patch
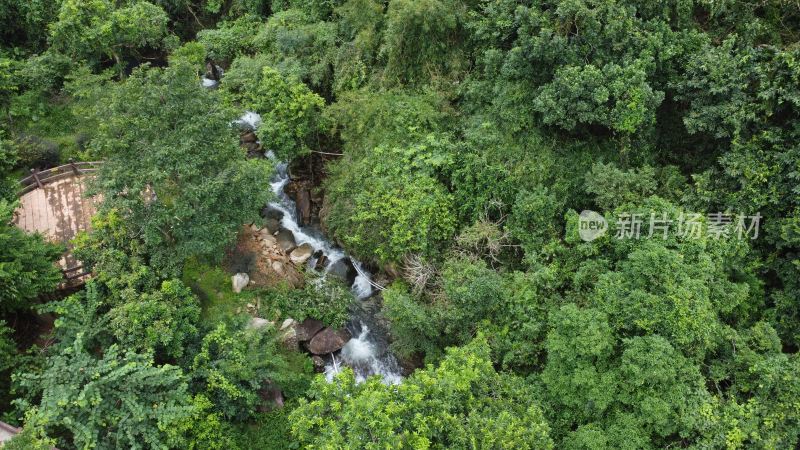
328 301
270 431
212 285
325 300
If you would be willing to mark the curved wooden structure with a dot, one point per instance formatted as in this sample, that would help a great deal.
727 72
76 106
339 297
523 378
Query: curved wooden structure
52 202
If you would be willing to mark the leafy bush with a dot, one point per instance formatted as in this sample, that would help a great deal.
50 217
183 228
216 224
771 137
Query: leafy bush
230 39
460 403
290 112
100 28
120 399
300 47
194 186
163 321
27 263
36 153
326 300
403 210
231 368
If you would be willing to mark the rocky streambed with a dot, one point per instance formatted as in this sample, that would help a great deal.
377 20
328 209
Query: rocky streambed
292 239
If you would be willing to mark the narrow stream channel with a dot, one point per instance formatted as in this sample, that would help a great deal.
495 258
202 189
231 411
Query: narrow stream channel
367 352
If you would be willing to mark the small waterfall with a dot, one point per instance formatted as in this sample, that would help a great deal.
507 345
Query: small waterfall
366 357
367 353
249 119
208 81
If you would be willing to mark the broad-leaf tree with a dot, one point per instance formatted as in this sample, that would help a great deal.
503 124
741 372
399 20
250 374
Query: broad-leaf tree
173 170
461 403
27 263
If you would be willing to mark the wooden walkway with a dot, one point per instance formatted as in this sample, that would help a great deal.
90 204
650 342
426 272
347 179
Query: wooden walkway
53 203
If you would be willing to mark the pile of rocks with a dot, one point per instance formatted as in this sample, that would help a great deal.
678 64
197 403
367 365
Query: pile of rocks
278 255
249 141
310 334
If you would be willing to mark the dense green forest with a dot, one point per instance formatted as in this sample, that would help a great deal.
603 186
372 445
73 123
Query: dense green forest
579 221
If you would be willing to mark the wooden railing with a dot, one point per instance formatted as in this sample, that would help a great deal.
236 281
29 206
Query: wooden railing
74 272
38 179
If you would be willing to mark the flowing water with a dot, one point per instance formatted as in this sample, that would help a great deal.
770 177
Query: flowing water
367 352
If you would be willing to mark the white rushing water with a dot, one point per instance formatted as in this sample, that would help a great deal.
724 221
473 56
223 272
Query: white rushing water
366 353
211 83
208 82
250 119
360 353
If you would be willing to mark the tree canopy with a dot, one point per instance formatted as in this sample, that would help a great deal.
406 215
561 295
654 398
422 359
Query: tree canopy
581 221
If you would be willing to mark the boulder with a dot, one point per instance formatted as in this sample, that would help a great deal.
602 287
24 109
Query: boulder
268 212
319 363
288 323
344 270
289 339
301 254
286 240
248 137
304 207
288 273
268 239
258 322
272 398
239 281
321 260
213 71
291 188
277 266
272 225
306 329
328 341
294 277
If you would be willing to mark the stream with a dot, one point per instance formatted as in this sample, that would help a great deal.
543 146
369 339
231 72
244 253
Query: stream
367 352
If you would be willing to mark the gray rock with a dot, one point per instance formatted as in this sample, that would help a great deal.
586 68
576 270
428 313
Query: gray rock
286 240
268 212
328 341
248 137
344 270
288 323
239 281
319 363
214 72
272 225
307 329
301 254
289 339
258 322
